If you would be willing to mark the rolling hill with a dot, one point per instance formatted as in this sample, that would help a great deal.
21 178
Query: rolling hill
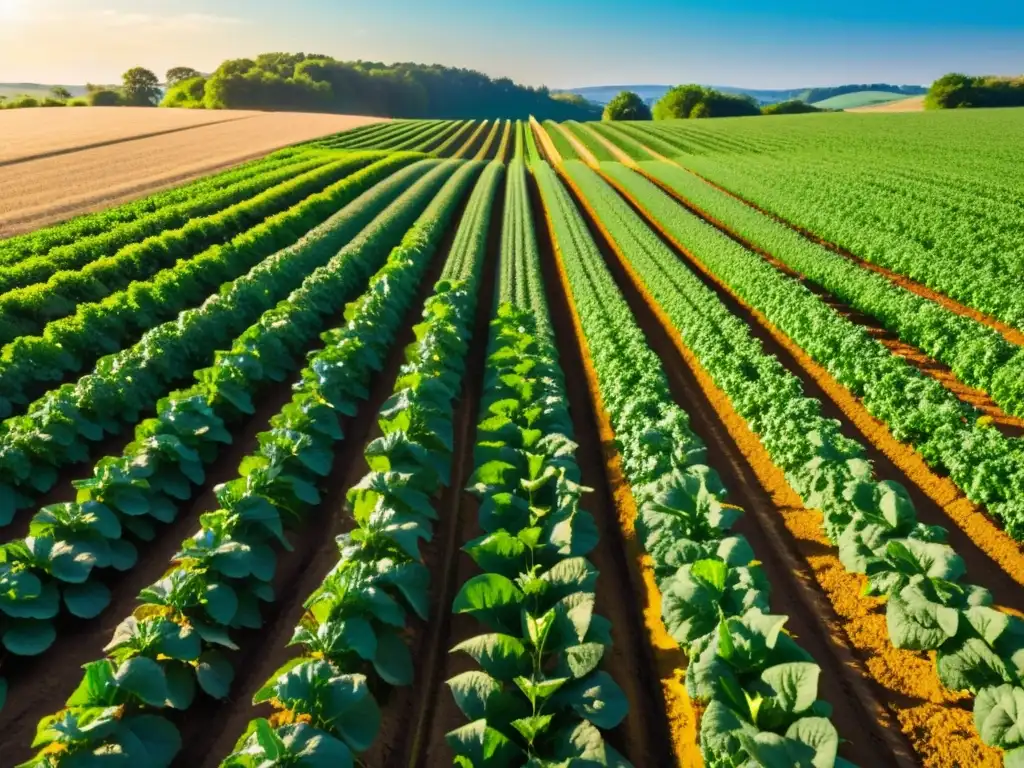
861 99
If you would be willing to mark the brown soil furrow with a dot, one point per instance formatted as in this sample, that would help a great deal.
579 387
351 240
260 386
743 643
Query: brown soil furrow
993 558
647 736
1009 425
410 719
664 661
302 570
937 722
859 713
1011 334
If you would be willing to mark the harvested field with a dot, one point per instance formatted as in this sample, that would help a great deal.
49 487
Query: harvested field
55 170
913 104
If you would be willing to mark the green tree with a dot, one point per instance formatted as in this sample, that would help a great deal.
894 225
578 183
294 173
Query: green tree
627 106
678 102
177 75
140 88
103 97
60 92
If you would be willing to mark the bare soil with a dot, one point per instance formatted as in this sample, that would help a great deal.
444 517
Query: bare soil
913 104
60 163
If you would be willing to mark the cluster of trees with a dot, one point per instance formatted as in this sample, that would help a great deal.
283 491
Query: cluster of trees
697 101
813 95
955 91
316 83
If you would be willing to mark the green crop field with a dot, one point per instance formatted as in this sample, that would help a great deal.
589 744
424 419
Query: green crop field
860 99
506 443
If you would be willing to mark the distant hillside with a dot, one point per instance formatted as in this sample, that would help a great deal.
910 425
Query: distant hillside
36 90
860 99
602 94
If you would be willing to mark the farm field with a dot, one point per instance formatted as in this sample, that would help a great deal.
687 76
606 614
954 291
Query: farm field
62 162
500 443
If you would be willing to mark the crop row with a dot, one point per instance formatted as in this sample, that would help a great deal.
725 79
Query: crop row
539 695
929 606
163 467
39 242
715 596
978 355
949 434
350 637
932 244
178 641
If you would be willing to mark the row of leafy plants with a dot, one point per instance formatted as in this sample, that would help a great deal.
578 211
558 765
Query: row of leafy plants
350 639
27 310
178 641
74 256
127 497
539 696
58 429
369 136
940 237
929 606
950 435
30 365
758 687
40 241
453 143
977 354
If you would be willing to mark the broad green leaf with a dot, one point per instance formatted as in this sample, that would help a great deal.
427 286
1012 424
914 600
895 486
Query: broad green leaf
87 600
597 698
28 637
214 674
159 737
143 678
919 624
393 660
483 745
999 716
471 691
501 656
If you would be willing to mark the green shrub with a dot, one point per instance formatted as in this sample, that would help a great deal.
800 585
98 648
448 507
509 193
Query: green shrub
104 98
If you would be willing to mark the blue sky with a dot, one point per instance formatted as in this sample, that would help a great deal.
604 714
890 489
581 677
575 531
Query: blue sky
560 43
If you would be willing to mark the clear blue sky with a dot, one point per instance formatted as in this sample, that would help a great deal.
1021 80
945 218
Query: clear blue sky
560 43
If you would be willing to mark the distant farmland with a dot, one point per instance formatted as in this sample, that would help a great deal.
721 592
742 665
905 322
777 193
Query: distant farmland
510 444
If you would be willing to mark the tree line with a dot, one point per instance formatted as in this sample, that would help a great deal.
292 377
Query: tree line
694 101
957 91
316 83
